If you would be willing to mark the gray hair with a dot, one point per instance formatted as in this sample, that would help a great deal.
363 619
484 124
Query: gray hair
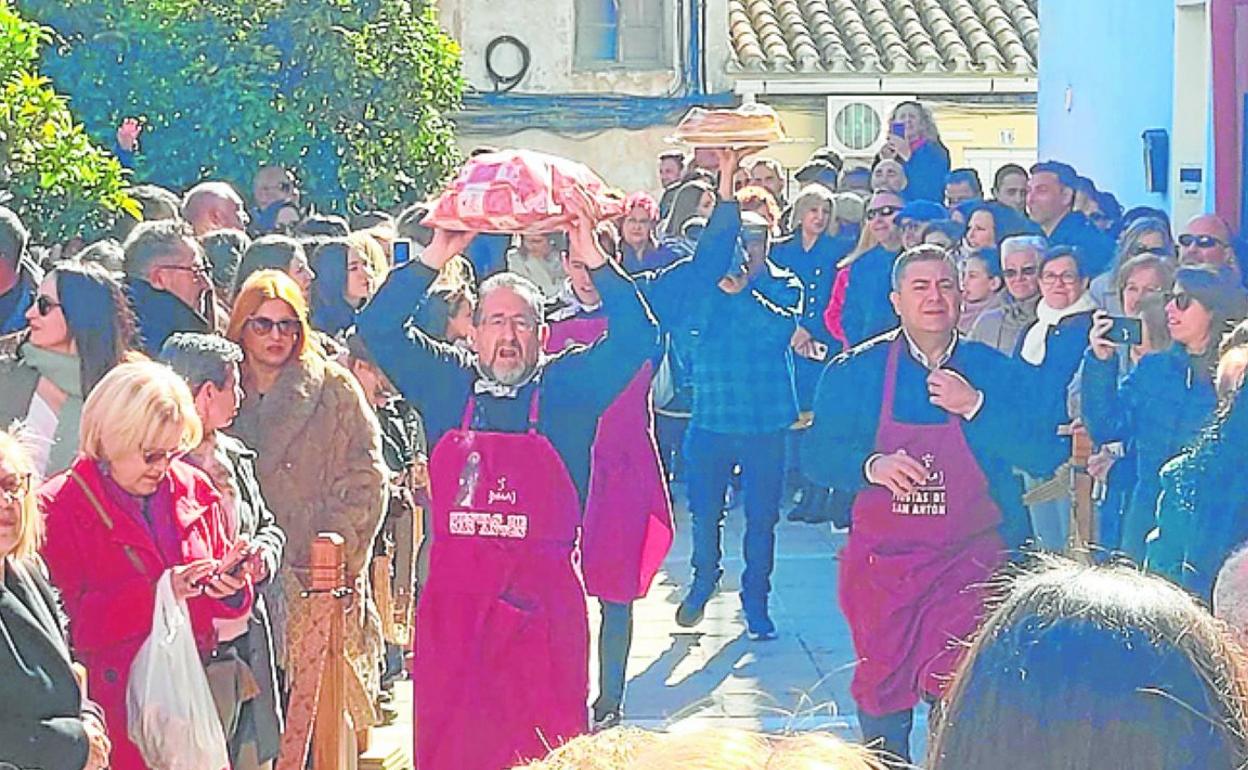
807 198
522 286
1036 244
14 237
924 252
200 358
151 242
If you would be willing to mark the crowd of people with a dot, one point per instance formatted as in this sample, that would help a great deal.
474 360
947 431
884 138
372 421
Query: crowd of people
509 418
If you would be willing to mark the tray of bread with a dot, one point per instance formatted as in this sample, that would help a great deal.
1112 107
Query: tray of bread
747 126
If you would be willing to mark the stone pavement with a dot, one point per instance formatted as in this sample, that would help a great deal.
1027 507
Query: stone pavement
713 674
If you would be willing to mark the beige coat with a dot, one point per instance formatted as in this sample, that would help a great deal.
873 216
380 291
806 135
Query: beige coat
321 470
319 458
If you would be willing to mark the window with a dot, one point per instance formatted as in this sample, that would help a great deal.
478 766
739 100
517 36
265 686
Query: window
622 33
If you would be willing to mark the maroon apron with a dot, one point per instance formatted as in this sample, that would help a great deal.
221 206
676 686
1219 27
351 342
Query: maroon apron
912 573
627 529
502 643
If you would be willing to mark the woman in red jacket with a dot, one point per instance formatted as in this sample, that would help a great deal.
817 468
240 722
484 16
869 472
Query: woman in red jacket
127 510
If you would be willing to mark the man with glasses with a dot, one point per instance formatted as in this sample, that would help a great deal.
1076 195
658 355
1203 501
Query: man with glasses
167 280
1020 267
1207 241
867 311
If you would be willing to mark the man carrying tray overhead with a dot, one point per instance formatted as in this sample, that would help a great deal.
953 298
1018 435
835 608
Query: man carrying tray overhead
924 428
502 648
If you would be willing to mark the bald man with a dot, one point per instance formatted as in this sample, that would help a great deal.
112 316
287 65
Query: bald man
1207 240
212 206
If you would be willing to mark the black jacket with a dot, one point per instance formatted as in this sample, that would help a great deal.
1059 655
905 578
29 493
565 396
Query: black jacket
41 706
160 314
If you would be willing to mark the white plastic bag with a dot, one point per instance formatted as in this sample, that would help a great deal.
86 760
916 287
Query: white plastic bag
172 718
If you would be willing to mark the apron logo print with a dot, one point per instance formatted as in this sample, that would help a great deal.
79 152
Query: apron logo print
502 494
929 499
513 526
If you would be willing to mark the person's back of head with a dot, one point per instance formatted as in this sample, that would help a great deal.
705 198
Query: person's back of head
156 202
323 225
269 252
200 358
224 250
1090 666
14 237
721 748
212 206
107 253
368 219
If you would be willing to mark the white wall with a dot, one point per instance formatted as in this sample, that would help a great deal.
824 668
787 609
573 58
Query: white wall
547 28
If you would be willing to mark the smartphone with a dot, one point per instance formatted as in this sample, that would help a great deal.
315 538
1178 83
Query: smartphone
1126 331
897 128
402 252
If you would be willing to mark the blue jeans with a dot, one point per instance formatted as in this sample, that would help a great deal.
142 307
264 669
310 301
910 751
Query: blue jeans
711 457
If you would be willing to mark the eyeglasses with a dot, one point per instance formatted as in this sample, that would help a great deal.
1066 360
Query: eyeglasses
286 327
882 211
45 304
1181 299
1050 279
1187 240
154 456
14 489
199 269
1152 251
1022 272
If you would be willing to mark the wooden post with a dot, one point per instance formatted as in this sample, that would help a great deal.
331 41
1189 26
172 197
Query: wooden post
330 742
1082 509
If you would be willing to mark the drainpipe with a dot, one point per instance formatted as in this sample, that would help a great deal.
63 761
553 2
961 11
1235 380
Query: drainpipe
695 59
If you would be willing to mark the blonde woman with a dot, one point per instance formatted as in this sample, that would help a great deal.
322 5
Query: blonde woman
126 511
914 142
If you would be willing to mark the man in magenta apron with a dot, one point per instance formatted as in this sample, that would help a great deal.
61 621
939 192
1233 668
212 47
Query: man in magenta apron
627 528
502 646
925 429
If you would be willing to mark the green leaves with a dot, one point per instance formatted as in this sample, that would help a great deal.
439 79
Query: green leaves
61 182
353 94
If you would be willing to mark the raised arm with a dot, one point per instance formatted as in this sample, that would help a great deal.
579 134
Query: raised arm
592 378
427 371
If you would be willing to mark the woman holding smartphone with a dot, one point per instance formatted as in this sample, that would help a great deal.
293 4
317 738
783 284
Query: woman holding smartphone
914 142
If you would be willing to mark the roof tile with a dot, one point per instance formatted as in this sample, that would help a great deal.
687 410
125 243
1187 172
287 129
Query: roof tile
885 36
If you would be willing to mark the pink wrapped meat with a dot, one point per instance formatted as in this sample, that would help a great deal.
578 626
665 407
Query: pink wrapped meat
518 191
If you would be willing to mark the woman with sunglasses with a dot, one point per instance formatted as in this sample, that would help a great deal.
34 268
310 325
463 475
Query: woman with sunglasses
1163 404
79 327
127 511
44 719
318 448
866 310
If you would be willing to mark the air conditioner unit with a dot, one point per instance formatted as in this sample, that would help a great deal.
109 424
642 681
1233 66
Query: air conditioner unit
858 125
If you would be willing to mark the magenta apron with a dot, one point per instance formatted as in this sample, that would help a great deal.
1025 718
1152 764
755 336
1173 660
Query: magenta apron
502 644
913 570
627 529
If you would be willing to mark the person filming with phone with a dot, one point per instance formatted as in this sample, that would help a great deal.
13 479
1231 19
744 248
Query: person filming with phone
1164 403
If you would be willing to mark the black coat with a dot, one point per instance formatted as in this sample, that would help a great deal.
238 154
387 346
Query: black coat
41 706
160 314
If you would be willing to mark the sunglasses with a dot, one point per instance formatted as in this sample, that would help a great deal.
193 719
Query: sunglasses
45 304
154 456
882 211
287 327
1181 299
1024 272
14 489
1187 240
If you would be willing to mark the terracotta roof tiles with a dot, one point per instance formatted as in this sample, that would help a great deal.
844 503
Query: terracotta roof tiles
885 36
